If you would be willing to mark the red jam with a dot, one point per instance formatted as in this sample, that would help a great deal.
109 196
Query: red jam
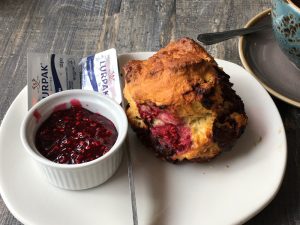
75 135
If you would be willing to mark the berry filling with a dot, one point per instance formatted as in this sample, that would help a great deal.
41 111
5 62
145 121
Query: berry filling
170 132
75 135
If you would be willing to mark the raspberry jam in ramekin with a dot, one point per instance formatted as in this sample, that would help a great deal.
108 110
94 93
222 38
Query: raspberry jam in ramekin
75 135
70 142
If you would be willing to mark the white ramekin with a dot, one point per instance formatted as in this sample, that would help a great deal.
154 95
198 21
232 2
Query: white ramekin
84 175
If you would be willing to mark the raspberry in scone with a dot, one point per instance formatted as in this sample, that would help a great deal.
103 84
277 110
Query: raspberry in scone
182 104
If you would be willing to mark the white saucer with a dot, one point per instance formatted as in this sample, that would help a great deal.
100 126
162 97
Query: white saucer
229 190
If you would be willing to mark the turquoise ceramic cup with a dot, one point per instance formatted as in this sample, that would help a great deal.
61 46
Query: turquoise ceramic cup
286 28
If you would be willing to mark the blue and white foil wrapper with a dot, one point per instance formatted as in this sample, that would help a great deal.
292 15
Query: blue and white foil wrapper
51 73
100 73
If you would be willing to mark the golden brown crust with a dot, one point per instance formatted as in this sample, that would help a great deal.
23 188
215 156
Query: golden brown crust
171 67
182 103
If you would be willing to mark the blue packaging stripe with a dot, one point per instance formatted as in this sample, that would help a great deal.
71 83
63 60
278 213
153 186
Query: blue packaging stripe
91 74
57 84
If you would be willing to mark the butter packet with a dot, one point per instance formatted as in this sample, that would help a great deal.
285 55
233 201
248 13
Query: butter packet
100 73
51 73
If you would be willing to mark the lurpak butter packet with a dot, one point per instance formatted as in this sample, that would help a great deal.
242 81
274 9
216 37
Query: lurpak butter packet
51 73
100 73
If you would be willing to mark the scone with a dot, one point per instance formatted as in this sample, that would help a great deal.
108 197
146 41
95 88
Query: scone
182 104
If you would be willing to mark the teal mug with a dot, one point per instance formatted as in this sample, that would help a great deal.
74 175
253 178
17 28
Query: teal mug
286 27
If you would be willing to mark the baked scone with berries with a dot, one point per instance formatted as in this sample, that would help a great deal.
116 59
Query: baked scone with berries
182 104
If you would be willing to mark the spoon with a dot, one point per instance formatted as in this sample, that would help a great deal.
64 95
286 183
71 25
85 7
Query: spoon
213 38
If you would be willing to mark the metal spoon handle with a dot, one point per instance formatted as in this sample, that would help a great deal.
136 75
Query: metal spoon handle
213 38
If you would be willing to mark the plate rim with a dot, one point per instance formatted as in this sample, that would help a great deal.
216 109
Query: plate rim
2 193
246 65
242 220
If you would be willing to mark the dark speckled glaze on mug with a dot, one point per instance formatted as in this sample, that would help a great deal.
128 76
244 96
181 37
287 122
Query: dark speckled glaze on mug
286 27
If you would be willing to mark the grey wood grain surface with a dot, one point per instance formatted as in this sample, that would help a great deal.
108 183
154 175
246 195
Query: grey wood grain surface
84 27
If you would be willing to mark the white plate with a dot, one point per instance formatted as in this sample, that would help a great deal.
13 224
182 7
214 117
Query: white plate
229 190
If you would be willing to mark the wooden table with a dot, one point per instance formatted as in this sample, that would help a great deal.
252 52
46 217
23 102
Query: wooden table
84 27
